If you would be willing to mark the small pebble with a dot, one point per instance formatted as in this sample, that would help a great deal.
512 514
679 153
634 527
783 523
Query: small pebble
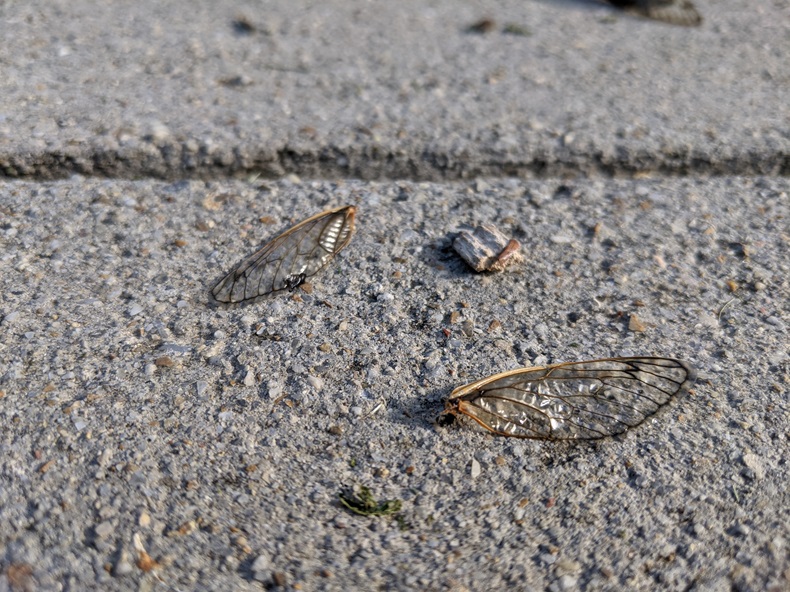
173 349
567 582
635 324
104 530
752 461
134 310
566 566
476 470
261 563
123 567
741 529
274 389
454 343
548 558
468 328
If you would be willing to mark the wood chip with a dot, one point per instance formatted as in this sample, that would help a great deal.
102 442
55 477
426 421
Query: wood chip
487 249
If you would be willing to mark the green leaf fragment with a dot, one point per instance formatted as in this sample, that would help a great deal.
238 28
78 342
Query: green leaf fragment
516 29
365 504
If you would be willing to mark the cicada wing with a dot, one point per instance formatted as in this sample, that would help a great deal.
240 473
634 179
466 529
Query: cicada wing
287 260
575 400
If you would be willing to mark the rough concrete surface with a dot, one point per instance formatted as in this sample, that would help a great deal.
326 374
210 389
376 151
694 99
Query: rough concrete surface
221 437
153 439
388 90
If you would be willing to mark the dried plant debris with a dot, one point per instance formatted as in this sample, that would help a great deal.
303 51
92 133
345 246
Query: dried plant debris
365 504
487 249
675 12
483 26
571 401
290 258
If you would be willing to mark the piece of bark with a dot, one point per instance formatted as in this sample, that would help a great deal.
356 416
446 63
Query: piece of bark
487 249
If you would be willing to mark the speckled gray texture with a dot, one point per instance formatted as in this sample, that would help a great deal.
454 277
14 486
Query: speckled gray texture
388 90
222 437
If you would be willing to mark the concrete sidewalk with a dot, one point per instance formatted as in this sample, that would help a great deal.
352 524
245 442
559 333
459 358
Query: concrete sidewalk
153 440
221 438
379 90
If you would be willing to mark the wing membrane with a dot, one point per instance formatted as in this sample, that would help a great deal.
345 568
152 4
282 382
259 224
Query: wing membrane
287 260
574 400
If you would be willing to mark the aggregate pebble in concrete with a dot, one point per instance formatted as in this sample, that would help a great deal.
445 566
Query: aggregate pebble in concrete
225 464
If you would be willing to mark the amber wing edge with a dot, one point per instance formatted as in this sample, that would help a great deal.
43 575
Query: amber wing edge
452 410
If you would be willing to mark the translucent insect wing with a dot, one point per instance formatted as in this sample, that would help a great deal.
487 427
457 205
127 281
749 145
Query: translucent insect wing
576 400
285 262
